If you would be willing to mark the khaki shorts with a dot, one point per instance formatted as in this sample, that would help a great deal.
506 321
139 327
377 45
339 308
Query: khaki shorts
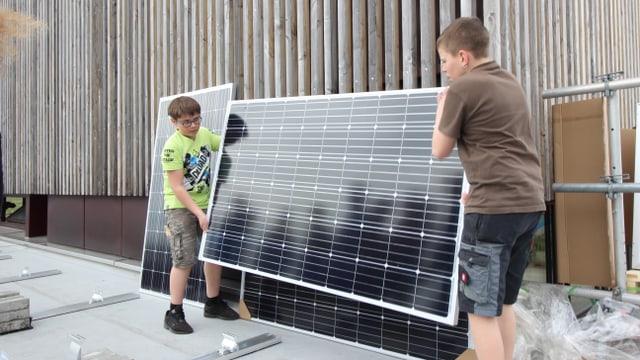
184 233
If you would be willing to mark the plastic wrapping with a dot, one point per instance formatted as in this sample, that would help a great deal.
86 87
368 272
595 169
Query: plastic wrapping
549 329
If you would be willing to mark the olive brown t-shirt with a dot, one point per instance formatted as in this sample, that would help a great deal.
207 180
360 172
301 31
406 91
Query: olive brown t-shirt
486 111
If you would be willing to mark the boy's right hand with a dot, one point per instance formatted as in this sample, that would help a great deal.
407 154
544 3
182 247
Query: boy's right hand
204 222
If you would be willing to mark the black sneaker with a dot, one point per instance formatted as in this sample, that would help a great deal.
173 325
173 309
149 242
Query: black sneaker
220 309
174 321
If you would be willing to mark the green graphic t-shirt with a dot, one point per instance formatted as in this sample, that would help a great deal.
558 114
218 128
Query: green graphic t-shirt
194 158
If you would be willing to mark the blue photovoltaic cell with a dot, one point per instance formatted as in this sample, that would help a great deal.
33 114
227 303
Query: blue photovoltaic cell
340 194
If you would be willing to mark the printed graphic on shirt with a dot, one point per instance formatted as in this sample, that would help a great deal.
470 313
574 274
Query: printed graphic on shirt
167 155
196 177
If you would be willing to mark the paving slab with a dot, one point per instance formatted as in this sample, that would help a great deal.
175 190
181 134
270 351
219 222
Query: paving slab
130 329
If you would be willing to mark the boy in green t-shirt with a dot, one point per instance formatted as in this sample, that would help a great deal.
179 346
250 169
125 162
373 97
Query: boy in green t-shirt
186 159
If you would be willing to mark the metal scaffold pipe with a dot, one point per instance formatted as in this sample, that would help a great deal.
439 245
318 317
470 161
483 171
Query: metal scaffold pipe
601 294
591 88
597 188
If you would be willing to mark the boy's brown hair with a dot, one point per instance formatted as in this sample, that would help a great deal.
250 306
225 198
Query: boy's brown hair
465 33
183 105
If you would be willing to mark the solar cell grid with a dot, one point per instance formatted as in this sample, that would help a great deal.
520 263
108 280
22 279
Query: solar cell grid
358 323
339 194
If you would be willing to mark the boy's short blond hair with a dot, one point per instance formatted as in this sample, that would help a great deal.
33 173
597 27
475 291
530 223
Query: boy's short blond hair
465 33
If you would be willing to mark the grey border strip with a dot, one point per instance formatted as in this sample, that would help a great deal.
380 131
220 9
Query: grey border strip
67 309
34 275
111 260
245 347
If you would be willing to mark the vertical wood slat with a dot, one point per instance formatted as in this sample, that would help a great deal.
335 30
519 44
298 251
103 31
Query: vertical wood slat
345 49
468 7
375 45
221 54
303 48
291 53
81 98
359 45
258 49
248 41
330 23
280 80
392 44
316 46
409 45
429 65
229 47
447 15
268 50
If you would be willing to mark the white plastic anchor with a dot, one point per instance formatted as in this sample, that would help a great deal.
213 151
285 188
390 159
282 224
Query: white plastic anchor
96 297
228 345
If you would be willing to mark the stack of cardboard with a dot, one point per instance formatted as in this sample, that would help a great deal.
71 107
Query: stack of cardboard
583 221
14 312
633 281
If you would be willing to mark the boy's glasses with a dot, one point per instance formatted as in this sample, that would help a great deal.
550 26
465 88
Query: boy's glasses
187 123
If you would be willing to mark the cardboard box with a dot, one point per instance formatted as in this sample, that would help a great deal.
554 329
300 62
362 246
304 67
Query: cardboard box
633 281
582 231
469 354
628 154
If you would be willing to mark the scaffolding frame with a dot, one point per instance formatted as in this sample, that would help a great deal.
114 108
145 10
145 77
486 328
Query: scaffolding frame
613 188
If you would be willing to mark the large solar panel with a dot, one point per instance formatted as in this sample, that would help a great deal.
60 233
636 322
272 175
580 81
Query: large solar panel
353 322
156 257
340 194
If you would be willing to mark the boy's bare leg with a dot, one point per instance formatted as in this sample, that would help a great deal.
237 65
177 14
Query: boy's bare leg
507 323
212 276
178 284
487 340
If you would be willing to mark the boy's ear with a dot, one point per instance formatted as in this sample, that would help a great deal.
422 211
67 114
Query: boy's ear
465 56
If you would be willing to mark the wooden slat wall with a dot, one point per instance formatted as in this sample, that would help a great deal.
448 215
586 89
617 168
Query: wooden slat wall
80 99
551 44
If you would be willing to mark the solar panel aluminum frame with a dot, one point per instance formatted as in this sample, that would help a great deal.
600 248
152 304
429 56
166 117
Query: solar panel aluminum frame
156 259
211 242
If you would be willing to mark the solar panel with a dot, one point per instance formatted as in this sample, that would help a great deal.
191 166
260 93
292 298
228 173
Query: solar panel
340 194
156 257
357 323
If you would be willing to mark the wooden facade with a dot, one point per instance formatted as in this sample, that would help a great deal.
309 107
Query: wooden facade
80 99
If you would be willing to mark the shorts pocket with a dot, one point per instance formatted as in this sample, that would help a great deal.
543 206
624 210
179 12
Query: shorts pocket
177 250
473 277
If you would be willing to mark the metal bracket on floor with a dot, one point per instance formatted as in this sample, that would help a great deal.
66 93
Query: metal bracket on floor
75 347
67 309
230 349
29 275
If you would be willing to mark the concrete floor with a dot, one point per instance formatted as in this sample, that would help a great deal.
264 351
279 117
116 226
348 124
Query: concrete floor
131 329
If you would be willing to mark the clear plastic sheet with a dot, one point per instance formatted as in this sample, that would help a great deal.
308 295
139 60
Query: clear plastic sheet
549 329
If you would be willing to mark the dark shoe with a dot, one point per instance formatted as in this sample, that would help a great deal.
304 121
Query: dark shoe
219 309
174 321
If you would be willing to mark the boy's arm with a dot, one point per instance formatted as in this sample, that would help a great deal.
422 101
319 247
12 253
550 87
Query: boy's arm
441 144
176 179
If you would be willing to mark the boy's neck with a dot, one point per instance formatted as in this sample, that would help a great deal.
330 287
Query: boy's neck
477 62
